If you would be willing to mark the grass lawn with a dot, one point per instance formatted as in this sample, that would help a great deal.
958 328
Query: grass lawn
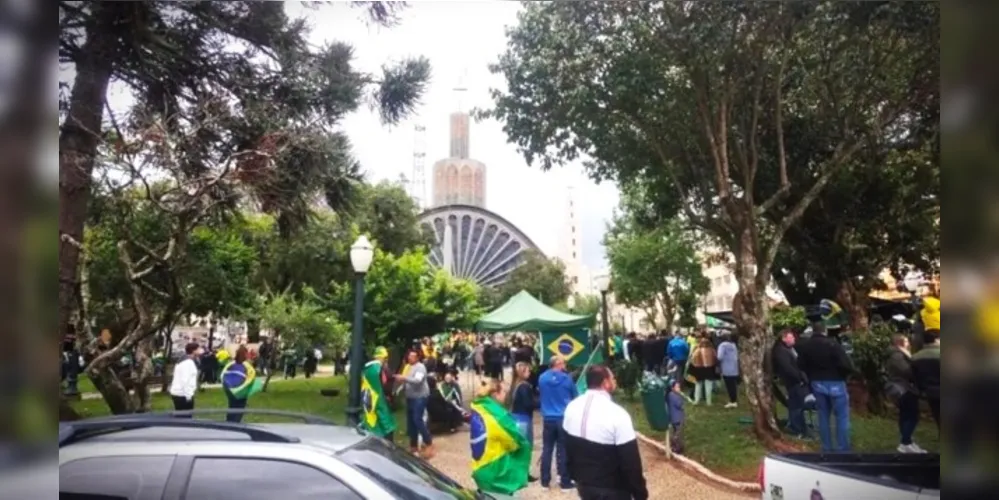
298 395
716 438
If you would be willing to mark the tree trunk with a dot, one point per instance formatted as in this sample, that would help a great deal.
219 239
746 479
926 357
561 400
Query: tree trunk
855 303
143 370
109 384
78 141
749 311
167 354
253 331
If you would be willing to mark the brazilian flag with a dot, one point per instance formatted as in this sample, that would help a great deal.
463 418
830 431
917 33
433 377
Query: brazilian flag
501 455
241 379
377 418
572 345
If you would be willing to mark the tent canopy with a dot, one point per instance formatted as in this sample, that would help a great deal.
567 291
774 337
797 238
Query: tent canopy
523 312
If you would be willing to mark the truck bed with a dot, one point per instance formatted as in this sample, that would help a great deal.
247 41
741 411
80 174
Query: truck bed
857 476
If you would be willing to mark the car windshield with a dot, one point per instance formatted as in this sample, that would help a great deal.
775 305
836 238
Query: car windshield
405 476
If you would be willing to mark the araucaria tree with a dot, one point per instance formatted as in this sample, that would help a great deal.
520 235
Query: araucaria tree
691 101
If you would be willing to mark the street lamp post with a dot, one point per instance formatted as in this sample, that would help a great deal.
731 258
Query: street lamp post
603 284
571 303
361 254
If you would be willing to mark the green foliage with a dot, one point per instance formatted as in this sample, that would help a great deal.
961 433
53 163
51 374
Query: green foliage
783 317
390 216
218 272
870 351
405 299
657 270
542 277
302 322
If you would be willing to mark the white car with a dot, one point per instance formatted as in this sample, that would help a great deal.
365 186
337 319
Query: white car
163 457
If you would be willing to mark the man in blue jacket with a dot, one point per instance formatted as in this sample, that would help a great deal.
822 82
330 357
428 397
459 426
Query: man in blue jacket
557 389
677 351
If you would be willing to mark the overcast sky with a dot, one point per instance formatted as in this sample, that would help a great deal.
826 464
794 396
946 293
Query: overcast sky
461 39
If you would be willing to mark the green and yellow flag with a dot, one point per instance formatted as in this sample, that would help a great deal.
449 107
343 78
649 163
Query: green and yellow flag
501 455
377 417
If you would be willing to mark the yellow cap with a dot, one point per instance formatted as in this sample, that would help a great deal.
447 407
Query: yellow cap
381 352
930 314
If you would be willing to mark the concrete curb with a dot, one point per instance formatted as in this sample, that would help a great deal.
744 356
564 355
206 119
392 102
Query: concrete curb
696 468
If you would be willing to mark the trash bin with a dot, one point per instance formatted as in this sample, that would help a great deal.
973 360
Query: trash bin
653 390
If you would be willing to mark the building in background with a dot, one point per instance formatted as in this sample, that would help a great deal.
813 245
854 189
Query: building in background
459 179
719 268
472 242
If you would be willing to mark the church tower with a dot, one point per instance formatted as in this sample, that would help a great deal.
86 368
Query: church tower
571 253
459 179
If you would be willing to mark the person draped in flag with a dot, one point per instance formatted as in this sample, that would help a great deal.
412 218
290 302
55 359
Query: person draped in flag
501 455
239 381
377 415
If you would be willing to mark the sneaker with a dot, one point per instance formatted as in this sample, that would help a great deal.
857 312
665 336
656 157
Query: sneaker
731 405
571 486
916 448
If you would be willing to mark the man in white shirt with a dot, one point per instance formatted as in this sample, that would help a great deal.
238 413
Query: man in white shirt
601 444
185 379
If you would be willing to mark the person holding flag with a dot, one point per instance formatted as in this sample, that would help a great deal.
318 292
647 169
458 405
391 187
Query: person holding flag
501 455
239 381
377 415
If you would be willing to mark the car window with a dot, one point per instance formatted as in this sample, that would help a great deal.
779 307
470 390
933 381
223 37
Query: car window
115 478
405 476
252 479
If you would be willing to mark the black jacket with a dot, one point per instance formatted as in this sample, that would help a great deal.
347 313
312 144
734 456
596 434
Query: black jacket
785 365
822 359
926 371
898 368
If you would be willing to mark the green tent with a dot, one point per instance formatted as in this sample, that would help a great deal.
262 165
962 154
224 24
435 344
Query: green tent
523 312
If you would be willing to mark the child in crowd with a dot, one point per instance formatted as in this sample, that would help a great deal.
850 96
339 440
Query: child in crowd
675 400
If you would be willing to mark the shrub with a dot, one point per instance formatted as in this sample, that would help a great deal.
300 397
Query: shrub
782 317
870 351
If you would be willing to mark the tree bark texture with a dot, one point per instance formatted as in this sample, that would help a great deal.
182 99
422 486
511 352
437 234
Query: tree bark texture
855 304
79 138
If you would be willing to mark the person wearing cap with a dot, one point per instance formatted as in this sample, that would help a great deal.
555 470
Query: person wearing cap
378 417
926 362
381 355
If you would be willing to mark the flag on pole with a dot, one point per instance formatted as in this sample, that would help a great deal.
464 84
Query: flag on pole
595 357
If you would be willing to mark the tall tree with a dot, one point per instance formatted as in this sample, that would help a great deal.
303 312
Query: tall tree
656 270
678 98
881 214
542 277
173 54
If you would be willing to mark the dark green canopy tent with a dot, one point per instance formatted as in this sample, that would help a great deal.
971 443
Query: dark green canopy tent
523 312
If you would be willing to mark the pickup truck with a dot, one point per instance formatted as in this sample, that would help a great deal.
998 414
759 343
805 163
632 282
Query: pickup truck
866 476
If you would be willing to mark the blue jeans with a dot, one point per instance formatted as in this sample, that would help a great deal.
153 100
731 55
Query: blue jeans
235 404
832 400
553 440
796 409
415 426
908 416
526 425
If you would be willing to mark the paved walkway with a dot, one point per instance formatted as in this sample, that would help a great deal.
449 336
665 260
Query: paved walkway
664 479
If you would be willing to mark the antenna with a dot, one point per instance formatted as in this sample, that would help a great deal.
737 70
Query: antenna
417 186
